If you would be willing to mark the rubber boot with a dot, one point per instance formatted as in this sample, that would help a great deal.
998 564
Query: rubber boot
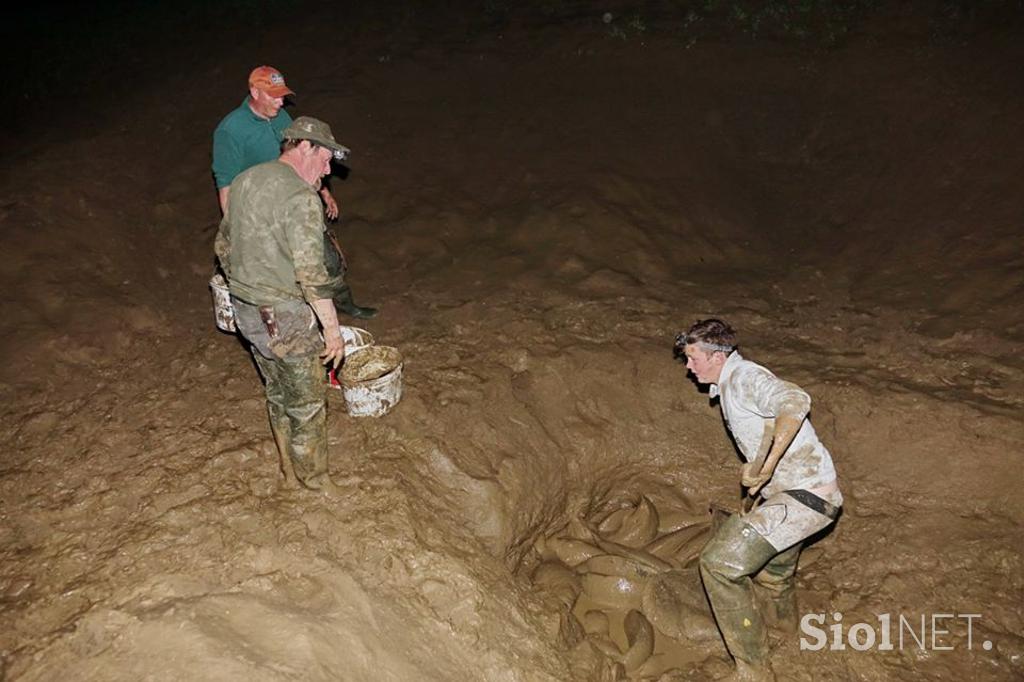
279 424
334 262
735 553
776 579
284 452
343 302
306 407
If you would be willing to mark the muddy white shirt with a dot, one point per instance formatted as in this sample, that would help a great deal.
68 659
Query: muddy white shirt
751 397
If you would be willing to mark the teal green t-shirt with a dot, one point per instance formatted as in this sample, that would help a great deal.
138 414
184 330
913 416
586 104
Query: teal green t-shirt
243 140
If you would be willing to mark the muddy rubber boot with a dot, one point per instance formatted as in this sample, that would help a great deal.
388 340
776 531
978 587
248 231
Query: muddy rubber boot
280 425
719 515
284 453
297 401
735 553
334 262
309 444
344 303
749 673
776 579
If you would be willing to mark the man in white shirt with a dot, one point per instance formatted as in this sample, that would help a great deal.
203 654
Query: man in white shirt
786 466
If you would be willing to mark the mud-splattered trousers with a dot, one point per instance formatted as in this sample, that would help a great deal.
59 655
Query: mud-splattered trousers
289 362
763 546
271 247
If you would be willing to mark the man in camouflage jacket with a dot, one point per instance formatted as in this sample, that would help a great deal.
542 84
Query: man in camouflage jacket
271 247
252 134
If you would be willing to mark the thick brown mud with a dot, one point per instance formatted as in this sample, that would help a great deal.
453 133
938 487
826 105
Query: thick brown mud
536 212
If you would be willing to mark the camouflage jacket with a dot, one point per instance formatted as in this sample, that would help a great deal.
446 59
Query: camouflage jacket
271 243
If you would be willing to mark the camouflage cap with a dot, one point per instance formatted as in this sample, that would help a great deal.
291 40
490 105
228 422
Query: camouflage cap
317 132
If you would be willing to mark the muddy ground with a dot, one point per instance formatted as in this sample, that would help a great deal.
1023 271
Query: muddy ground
537 207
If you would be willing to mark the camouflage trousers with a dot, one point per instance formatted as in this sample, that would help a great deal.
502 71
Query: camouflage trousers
740 555
288 359
297 405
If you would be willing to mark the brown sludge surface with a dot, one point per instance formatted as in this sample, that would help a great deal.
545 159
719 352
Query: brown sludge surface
536 211
633 588
370 363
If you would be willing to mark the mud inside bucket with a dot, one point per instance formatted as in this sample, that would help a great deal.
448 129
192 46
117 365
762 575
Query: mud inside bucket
371 381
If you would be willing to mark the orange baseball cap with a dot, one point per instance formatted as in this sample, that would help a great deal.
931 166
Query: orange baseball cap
269 80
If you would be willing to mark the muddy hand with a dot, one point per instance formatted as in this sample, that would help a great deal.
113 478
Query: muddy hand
330 205
334 346
755 484
753 476
750 503
334 350
757 488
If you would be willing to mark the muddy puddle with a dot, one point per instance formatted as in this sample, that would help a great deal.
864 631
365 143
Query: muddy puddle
627 586
536 208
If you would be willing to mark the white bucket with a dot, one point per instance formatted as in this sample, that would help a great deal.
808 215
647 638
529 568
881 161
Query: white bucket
371 381
355 339
223 311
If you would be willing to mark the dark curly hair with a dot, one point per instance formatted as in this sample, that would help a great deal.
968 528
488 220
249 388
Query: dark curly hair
711 332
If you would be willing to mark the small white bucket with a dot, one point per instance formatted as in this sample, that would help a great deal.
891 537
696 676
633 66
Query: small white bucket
223 311
371 381
355 339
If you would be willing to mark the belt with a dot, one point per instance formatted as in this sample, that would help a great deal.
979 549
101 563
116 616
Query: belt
814 502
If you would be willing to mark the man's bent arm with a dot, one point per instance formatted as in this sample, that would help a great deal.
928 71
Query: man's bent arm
788 404
222 197
787 425
306 240
222 246
227 164
330 204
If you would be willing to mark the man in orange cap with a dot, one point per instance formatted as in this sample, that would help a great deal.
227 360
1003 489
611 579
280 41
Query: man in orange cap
251 134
